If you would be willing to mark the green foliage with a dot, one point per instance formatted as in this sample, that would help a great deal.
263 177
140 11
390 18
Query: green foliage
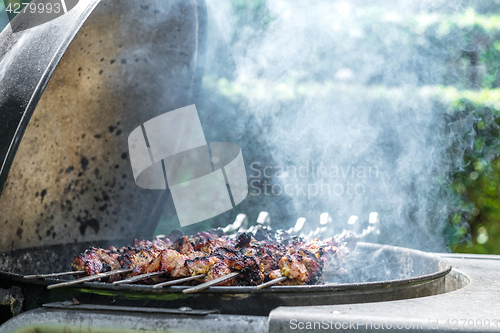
479 181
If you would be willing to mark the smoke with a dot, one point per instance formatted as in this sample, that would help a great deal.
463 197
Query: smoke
332 103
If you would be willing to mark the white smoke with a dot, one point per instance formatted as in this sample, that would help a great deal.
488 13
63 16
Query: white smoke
340 86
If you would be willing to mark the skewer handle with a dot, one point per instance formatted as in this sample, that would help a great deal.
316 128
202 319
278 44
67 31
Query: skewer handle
208 284
138 277
178 281
297 229
42 276
241 222
264 219
272 282
88 278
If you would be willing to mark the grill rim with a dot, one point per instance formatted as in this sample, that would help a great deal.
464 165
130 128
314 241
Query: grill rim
445 268
229 300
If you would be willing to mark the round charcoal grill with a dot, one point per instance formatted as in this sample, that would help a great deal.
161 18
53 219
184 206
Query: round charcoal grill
372 273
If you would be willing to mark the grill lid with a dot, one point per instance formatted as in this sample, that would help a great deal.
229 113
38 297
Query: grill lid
65 140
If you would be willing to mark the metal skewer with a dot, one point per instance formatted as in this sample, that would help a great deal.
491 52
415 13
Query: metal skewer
178 281
89 278
353 220
297 229
241 222
208 284
373 229
138 277
272 282
41 276
264 218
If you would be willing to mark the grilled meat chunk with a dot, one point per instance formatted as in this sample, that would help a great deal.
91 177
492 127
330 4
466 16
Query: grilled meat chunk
213 266
301 266
97 260
217 270
200 265
275 274
142 260
183 245
301 261
157 244
88 261
210 245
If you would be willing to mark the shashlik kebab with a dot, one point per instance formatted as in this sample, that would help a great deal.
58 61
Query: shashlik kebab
274 256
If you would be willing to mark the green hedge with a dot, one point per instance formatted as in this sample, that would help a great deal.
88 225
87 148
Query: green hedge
479 181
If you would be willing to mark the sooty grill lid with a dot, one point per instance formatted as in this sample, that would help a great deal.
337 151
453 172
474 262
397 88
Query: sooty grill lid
27 60
71 90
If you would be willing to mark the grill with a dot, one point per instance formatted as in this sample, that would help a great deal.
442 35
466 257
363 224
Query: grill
374 273
70 90
398 273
